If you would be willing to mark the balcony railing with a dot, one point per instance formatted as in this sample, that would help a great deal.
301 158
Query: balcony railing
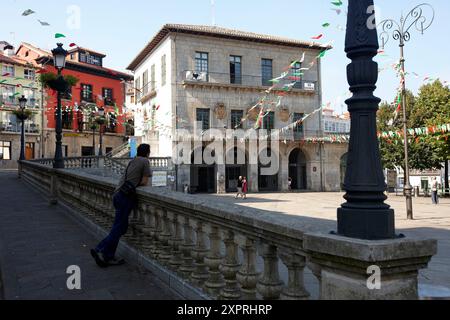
190 76
17 127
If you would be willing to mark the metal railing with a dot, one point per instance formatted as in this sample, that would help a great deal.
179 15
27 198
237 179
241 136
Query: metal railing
244 80
17 127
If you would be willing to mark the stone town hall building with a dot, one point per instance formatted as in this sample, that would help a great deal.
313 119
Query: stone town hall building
189 75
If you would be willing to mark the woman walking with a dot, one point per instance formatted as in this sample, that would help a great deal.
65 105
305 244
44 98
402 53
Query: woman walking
244 188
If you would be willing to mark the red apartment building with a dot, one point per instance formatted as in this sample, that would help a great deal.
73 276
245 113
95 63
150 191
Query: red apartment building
98 87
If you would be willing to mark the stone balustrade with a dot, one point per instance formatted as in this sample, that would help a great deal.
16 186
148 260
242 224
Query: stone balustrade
216 248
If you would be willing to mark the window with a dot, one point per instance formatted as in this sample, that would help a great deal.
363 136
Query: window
163 70
153 77
86 93
30 94
299 127
8 93
145 83
94 60
67 118
201 62
29 74
112 123
5 150
108 96
90 59
267 71
296 74
236 69
269 121
137 87
236 119
8 71
203 117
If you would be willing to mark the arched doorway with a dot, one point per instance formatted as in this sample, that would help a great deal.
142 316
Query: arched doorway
203 176
235 170
267 183
297 170
344 159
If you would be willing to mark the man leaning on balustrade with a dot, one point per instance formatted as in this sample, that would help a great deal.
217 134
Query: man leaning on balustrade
136 175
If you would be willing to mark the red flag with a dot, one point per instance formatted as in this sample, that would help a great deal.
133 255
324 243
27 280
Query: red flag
317 37
72 45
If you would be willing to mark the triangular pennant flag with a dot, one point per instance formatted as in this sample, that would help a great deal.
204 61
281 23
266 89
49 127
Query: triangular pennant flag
59 35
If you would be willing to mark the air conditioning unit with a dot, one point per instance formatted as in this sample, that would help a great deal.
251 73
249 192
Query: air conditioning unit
196 76
309 86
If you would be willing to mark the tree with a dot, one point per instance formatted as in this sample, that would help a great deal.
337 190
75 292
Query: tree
433 109
392 148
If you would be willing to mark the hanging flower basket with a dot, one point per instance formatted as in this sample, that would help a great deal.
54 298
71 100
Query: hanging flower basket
61 84
100 121
22 115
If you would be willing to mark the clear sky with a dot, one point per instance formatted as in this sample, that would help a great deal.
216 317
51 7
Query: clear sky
121 28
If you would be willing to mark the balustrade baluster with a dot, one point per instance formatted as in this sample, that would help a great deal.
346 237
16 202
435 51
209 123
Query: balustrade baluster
213 260
176 242
270 285
230 267
295 264
200 274
248 275
187 266
165 236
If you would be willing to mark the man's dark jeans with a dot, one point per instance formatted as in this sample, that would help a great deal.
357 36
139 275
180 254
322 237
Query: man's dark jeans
434 197
123 205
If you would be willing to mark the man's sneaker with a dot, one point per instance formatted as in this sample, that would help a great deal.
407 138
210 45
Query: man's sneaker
99 259
116 262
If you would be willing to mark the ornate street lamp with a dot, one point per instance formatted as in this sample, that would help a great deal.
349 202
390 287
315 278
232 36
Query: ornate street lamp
22 118
59 60
365 215
418 19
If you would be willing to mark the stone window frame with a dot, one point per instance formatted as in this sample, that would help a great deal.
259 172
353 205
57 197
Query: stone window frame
5 145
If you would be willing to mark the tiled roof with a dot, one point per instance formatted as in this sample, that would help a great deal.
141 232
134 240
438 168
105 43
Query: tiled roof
38 50
88 50
15 60
220 32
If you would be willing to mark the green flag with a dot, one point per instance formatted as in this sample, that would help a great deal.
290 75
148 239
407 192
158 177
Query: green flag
59 35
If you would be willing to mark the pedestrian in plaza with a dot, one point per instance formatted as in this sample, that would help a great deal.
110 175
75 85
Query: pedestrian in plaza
434 191
244 187
239 187
290 183
136 175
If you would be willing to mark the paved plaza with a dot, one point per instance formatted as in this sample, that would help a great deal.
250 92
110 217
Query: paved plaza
430 222
37 244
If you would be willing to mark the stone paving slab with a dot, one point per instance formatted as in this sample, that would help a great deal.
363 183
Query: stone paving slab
37 244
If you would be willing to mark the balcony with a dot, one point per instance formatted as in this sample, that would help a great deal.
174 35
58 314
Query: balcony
227 80
17 127
147 92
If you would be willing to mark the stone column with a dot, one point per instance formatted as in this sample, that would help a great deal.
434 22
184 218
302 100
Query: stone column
176 241
348 266
284 170
221 175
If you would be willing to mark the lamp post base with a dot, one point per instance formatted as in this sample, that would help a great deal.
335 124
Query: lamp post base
366 224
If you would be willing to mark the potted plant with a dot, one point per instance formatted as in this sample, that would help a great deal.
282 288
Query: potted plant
22 114
52 81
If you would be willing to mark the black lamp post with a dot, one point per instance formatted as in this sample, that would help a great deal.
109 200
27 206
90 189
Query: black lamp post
59 60
101 113
416 18
22 105
365 215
